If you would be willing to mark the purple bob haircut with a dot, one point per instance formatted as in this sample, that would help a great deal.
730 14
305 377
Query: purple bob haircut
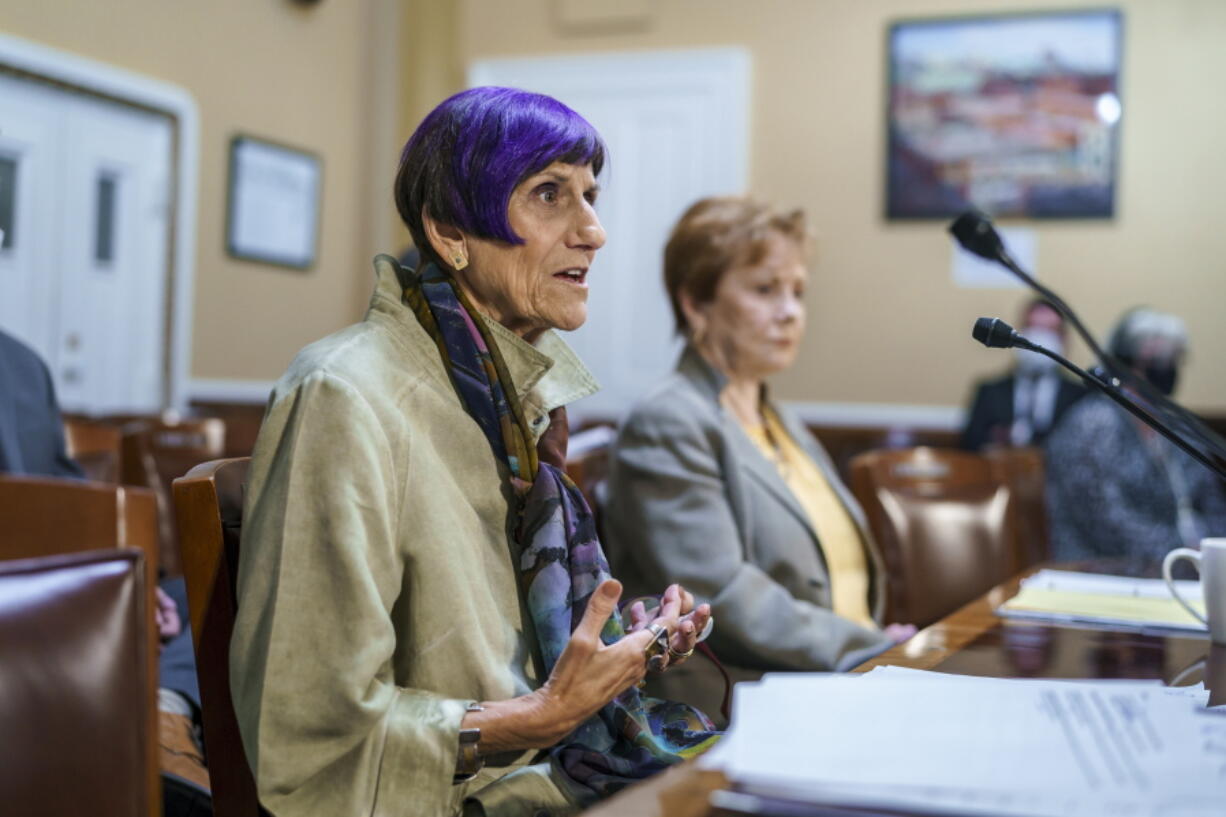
468 155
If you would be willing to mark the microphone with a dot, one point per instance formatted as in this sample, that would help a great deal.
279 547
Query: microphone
974 231
995 333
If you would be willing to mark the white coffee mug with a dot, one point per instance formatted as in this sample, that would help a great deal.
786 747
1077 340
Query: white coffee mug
1211 564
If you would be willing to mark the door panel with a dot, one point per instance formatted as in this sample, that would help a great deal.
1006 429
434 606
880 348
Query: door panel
114 249
30 140
88 292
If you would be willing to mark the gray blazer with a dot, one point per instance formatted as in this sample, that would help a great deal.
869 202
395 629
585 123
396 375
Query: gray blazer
691 499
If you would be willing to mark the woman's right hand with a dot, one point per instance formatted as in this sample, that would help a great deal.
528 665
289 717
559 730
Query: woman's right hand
587 676
590 673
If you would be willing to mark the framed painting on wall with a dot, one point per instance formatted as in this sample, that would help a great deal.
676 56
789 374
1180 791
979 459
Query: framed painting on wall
273 206
1017 115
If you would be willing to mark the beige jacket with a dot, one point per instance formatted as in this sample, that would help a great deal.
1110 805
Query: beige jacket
691 499
377 590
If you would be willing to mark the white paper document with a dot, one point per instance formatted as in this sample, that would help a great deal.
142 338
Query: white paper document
942 744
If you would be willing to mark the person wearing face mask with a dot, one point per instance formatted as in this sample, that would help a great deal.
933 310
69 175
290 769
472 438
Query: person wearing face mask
1024 406
1115 488
715 486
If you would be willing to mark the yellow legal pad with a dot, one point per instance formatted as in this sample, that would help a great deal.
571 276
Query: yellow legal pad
1074 597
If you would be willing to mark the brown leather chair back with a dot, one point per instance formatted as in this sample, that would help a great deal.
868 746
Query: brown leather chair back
77 687
843 443
209 507
1025 471
45 516
96 446
946 523
155 452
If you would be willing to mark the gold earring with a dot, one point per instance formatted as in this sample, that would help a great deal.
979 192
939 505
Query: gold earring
458 261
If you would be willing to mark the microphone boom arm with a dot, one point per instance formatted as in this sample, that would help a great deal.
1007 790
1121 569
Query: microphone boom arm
1061 307
1112 389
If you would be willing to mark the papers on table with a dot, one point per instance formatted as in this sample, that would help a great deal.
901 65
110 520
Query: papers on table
1059 595
931 743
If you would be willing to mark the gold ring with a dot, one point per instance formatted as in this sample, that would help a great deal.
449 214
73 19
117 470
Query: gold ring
673 655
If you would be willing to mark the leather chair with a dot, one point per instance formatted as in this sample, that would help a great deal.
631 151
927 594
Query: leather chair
947 523
45 516
843 443
156 450
77 686
96 447
1026 472
209 507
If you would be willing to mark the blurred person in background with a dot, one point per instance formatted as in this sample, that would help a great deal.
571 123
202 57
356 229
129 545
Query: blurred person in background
1116 489
31 428
1022 408
717 487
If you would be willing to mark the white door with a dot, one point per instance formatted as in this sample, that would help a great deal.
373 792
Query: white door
84 265
676 124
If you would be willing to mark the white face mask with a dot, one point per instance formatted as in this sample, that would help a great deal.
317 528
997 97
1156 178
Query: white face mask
1032 362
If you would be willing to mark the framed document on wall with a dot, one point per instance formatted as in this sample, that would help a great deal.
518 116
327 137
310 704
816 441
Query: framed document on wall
273 203
1014 114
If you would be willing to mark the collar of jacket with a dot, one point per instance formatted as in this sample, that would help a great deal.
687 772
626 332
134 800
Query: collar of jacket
708 379
546 375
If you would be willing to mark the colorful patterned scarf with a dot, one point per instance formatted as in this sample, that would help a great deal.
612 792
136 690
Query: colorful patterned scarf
561 562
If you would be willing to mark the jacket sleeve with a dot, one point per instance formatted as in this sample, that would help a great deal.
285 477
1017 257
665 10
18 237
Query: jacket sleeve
326 729
670 514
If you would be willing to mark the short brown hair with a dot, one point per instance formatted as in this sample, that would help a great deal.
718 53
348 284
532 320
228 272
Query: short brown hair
715 235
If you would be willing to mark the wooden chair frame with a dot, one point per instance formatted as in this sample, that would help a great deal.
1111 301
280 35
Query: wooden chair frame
208 503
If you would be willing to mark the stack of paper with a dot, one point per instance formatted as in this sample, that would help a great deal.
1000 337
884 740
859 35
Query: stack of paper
931 743
1059 595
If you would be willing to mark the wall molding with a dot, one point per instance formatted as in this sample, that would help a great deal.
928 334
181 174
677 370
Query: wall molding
82 74
207 390
878 415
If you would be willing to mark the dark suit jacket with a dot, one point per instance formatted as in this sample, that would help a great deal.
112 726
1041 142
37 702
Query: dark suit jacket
991 415
31 431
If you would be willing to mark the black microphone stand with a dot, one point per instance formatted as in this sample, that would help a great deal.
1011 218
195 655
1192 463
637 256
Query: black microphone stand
1112 389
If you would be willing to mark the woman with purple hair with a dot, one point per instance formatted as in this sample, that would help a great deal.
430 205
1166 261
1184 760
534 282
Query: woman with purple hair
426 622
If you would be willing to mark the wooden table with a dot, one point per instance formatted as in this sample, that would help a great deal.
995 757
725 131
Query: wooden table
975 641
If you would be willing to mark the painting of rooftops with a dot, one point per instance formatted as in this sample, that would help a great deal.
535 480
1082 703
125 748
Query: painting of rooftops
1016 115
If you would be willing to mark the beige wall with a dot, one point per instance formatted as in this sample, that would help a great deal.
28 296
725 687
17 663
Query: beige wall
265 68
887 325
268 68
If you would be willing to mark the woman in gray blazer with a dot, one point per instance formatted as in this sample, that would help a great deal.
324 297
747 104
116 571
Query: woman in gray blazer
715 486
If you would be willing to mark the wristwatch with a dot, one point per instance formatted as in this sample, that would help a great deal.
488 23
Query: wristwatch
469 761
